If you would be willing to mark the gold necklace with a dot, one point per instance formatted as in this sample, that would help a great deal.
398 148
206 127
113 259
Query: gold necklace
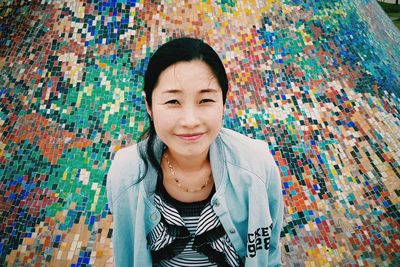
179 184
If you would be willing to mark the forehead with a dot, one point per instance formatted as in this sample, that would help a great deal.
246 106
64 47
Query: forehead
187 75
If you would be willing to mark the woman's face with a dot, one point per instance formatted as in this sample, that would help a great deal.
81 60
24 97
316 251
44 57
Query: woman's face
187 108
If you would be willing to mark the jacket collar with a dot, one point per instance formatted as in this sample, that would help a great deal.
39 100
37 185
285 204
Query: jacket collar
217 161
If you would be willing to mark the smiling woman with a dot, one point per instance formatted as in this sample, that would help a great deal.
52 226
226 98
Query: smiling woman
187 110
193 193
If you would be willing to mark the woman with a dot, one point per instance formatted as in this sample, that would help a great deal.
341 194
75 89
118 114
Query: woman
193 193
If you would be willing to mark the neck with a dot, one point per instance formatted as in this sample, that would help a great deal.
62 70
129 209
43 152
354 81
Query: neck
188 164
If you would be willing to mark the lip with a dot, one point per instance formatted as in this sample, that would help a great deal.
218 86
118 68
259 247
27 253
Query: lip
190 137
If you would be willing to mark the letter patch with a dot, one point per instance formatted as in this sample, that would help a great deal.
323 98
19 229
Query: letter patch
258 240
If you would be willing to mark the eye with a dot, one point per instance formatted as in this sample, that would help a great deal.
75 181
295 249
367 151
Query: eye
206 100
173 101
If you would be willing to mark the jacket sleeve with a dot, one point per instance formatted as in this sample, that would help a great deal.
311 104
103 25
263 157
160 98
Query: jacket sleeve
120 205
112 179
276 207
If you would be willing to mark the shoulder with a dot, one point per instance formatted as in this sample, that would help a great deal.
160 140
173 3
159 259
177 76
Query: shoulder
124 170
125 157
246 153
240 146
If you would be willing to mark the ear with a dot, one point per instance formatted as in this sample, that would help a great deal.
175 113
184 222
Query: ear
148 110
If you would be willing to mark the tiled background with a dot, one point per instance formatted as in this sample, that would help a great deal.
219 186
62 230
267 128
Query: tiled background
318 80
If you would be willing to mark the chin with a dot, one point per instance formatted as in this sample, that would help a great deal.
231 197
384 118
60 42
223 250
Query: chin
191 152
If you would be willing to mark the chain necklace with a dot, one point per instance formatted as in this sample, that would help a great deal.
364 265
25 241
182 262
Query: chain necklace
179 184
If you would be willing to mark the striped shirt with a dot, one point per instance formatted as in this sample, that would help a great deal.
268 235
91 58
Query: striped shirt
190 213
189 234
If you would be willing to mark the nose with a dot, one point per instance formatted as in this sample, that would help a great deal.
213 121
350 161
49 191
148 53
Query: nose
190 117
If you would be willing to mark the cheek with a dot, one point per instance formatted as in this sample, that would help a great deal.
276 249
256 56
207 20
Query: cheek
218 113
215 119
163 122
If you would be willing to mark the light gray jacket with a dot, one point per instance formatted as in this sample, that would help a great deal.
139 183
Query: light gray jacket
248 200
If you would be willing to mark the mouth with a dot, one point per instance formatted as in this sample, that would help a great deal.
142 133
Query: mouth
190 137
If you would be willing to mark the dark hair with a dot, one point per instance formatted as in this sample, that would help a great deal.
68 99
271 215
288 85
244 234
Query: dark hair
170 53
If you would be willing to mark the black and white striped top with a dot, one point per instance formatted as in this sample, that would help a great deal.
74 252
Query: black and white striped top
189 234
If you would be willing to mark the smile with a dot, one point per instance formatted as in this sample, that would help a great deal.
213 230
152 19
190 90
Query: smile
190 137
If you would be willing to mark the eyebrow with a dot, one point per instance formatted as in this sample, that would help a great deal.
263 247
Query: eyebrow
177 91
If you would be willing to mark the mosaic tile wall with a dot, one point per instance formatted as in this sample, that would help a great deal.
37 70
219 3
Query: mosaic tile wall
318 80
